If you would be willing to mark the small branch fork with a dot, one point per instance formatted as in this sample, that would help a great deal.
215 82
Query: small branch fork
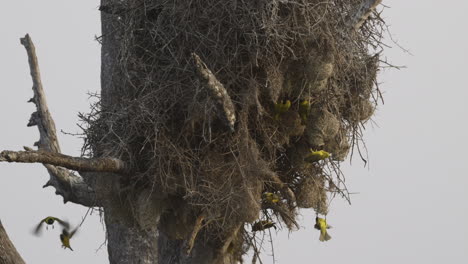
71 186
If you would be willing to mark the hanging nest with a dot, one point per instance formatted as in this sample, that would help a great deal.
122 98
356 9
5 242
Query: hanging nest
166 122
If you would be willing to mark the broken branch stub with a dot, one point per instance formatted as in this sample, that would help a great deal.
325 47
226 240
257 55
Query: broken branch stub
72 187
218 92
193 235
57 159
41 118
362 12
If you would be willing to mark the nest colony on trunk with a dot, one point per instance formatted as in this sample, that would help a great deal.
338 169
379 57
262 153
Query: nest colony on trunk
206 164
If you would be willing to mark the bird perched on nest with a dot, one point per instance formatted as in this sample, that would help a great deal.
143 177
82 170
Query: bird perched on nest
50 220
281 108
321 224
262 225
271 197
304 108
65 238
315 156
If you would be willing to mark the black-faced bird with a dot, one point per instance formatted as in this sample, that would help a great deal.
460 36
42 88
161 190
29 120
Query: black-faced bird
49 221
262 225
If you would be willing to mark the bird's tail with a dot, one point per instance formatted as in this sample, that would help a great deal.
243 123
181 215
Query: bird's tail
324 236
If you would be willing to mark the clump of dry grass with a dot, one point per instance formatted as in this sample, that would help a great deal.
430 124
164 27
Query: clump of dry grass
164 122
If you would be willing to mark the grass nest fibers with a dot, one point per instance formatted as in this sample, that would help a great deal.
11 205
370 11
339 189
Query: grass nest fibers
166 123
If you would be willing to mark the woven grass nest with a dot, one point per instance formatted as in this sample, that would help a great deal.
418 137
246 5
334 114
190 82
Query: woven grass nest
167 124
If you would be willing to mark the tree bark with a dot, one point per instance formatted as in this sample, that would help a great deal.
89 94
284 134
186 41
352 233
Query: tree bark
128 242
361 13
135 232
58 159
8 253
66 183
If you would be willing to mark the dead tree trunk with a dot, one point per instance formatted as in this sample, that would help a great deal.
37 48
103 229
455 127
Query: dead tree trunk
210 141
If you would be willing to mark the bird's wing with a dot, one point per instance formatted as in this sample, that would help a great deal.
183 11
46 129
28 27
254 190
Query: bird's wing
38 229
63 223
73 232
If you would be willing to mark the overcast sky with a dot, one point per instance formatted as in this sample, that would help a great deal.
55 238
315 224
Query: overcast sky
411 203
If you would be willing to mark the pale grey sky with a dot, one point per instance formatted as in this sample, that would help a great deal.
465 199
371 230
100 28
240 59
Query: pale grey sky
412 203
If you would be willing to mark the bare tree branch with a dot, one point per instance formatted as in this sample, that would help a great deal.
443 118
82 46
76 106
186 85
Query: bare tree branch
72 187
8 252
362 12
193 235
41 118
69 162
218 91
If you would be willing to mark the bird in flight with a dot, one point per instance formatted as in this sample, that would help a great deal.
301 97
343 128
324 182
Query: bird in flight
65 238
49 221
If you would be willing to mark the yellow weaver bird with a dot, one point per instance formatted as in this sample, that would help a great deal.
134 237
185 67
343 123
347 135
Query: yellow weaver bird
262 225
281 108
304 108
65 238
321 224
50 220
271 197
315 156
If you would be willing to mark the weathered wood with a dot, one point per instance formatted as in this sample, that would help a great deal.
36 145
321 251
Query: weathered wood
69 162
72 187
362 12
218 92
8 252
129 243
41 118
193 235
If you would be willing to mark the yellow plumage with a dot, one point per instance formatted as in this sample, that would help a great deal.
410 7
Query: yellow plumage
287 105
321 224
65 238
315 156
271 197
281 108
304 108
